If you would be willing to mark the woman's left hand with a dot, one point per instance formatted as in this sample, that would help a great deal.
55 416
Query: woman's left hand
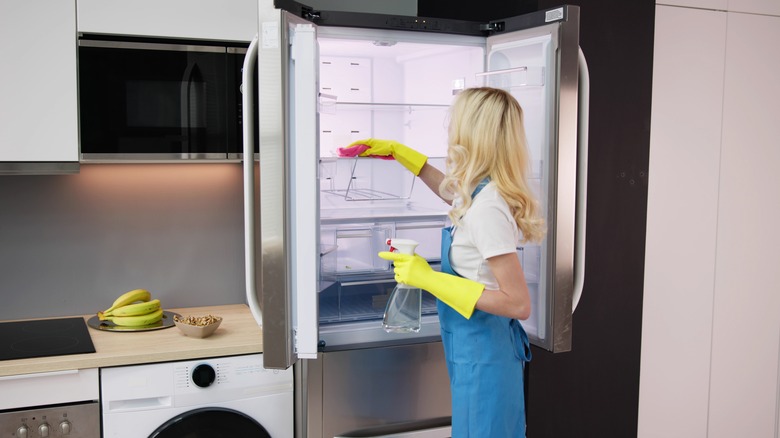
411 270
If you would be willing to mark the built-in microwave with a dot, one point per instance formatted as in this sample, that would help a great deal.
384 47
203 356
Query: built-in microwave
163 100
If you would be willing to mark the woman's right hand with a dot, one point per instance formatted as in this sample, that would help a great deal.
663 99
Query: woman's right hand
408 157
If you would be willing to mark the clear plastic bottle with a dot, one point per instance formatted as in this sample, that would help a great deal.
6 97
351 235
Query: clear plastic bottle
403 313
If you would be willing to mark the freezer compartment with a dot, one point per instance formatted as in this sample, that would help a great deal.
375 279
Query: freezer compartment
435 428
370 392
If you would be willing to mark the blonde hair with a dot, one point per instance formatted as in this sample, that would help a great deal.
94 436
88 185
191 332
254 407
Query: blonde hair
487 139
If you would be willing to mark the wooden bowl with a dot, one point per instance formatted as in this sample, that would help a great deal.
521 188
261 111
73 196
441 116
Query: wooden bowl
191 327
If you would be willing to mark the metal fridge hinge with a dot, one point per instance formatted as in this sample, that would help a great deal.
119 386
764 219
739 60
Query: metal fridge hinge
310 14
496 26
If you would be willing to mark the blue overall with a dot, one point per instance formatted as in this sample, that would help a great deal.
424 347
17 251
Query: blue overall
485 359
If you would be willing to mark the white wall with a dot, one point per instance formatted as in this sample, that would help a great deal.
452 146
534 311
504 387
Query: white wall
711 316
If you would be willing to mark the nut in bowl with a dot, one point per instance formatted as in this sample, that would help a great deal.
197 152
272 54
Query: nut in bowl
197 326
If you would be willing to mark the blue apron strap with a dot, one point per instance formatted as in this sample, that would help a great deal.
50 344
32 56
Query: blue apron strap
519 340
447 232
446 243
480 186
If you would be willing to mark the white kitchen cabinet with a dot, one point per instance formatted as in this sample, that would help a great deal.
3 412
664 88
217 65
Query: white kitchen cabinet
762 7
38 106
37 389
718 5
711 326
234 20
746 315
682 210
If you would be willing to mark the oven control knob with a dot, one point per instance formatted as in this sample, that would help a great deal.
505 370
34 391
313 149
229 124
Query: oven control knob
203 375
65 427
21 432
43 430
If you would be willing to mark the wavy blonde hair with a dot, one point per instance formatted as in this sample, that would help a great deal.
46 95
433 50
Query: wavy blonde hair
487 139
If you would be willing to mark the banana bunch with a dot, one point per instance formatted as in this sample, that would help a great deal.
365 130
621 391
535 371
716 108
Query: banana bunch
135 308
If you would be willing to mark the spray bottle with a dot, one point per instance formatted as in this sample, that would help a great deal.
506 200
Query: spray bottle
403 313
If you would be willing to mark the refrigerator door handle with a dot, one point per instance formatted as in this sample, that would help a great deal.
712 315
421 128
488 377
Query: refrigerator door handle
582 179
248 119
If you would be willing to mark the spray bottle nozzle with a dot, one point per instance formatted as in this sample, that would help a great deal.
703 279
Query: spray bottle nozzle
404 246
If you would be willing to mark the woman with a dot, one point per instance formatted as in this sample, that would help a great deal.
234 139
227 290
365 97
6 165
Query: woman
481 290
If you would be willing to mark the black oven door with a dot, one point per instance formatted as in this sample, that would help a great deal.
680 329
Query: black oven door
160 100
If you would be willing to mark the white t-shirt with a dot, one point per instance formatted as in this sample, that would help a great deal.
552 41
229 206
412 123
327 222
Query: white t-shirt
486 230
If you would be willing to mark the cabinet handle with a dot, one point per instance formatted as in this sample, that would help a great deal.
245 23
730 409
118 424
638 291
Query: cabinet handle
37 375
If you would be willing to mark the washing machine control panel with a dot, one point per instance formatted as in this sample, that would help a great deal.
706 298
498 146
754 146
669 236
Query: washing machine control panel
203 375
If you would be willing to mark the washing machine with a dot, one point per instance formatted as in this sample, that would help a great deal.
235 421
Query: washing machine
209 398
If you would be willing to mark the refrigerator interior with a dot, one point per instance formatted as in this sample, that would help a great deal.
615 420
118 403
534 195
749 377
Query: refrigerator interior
393 85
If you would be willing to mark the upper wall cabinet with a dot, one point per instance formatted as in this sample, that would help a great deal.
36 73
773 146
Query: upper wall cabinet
38 121
234 20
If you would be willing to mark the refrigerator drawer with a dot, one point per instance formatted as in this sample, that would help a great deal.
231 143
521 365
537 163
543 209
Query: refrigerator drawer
427 234
427 429
352 248
362 300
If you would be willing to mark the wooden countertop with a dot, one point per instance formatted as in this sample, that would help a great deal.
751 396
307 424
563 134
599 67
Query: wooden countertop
238 334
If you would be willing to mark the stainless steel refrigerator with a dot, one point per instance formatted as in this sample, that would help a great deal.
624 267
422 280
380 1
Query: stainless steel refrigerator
315 221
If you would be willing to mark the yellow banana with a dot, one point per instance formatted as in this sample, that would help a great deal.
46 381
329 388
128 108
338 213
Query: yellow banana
137 320
130 297
135 309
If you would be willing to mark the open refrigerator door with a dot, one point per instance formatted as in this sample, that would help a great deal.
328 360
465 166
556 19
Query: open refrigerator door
539 66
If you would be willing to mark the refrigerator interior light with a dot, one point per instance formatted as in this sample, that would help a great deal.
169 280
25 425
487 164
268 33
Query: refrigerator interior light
385 43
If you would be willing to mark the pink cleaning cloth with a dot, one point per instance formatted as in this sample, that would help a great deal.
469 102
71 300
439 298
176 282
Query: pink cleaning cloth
354 151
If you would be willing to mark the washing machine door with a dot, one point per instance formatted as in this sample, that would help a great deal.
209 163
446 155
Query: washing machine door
210 423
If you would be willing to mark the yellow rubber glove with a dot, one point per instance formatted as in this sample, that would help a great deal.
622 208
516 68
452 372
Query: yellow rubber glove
457 292
410 158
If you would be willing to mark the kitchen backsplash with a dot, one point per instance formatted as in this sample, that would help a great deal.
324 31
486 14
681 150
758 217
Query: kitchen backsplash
70 244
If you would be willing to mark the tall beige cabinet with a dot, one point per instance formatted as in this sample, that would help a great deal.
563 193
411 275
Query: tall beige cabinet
711 315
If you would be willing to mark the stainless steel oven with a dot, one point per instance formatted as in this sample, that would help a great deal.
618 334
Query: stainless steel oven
53 404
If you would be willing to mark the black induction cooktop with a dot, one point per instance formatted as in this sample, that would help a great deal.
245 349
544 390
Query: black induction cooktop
44 337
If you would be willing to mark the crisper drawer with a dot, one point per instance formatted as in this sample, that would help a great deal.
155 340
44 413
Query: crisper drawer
349 249
426 233
349 301
352 248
